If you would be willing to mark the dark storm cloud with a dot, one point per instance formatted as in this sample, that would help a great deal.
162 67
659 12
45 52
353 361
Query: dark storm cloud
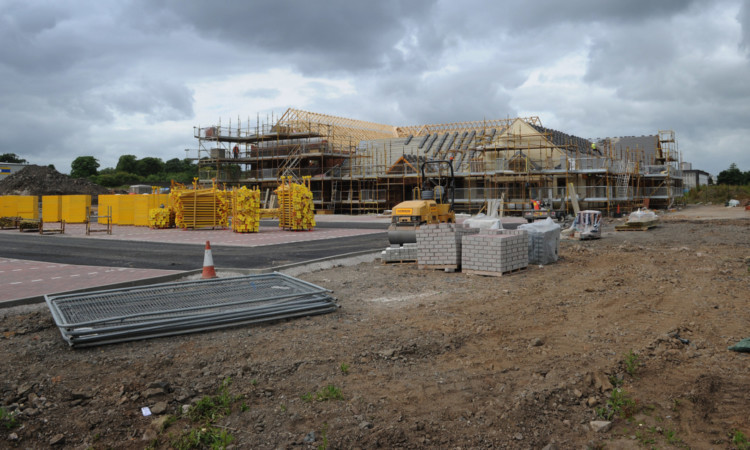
81 74
328 36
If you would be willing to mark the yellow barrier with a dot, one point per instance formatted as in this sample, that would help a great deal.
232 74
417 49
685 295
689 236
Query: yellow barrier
24 206
106 201
140 210
76 208
28 206
125 213
51 208
8 206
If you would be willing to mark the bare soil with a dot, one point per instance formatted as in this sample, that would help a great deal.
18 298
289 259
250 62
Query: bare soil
428 359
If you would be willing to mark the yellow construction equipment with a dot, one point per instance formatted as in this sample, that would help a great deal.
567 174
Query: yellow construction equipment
435 206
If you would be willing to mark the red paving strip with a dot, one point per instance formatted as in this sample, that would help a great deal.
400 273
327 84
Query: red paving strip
266 236
23 278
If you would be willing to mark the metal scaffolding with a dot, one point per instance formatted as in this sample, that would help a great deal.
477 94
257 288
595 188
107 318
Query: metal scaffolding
359 167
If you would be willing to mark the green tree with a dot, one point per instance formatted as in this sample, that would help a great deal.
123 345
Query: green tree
12 158
110 178
83 166
149 166
732 176
127 163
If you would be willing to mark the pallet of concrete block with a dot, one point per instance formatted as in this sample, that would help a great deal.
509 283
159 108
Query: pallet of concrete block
439 245
406 253
495 252
544 241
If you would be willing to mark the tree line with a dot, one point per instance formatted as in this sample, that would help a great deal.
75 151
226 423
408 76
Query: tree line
733 176
132 170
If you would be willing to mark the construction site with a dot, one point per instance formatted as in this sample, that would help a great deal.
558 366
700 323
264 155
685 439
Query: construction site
329 283
359 167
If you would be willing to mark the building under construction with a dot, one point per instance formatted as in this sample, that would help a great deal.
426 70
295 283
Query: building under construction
361 167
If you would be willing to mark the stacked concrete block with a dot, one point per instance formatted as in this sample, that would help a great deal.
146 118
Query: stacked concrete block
396 253
544 241
544 247
494 252
439 245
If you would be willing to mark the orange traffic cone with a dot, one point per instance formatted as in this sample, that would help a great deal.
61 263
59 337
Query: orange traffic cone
208 263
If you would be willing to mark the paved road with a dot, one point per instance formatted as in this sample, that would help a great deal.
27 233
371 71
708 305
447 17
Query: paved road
156 255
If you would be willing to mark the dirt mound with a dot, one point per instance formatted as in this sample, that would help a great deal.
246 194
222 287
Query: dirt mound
40 180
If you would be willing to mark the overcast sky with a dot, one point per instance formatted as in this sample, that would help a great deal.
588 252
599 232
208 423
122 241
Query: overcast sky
106 78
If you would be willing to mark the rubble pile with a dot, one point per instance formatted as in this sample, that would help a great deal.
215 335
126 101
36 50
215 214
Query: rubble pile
41 180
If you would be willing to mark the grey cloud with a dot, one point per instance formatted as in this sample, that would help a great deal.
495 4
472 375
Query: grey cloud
161 99
743 17
315 36
265 93
68 70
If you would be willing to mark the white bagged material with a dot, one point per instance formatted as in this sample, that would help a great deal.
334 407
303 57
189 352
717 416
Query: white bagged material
483 222
642 215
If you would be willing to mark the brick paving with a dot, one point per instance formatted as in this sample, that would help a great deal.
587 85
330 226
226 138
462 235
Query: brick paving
268 235
23 278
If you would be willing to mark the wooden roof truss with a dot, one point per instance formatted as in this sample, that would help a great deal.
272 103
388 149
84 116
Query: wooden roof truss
337 130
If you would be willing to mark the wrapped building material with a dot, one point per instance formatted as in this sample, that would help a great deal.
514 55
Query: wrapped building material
544 241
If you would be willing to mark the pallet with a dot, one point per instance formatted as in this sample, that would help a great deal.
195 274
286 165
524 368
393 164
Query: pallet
485 273
439 267
398 261
634 227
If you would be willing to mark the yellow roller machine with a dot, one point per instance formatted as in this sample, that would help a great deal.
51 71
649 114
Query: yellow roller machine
435 206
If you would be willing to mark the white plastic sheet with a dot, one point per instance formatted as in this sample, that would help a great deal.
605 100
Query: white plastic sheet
483 221
544 241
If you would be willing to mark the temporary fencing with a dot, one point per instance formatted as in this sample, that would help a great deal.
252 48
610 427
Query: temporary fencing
121 315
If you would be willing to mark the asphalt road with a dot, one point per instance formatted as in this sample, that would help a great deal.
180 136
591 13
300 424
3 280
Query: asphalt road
149 255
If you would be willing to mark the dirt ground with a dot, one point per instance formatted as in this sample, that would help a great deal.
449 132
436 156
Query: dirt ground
633 328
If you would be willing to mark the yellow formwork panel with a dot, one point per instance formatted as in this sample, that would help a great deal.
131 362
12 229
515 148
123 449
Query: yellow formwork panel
28 206
125 210
245 210
51 208
106 201
76 208
140 210
8 206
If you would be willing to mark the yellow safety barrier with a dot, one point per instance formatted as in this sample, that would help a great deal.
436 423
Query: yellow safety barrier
52 208
76 208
